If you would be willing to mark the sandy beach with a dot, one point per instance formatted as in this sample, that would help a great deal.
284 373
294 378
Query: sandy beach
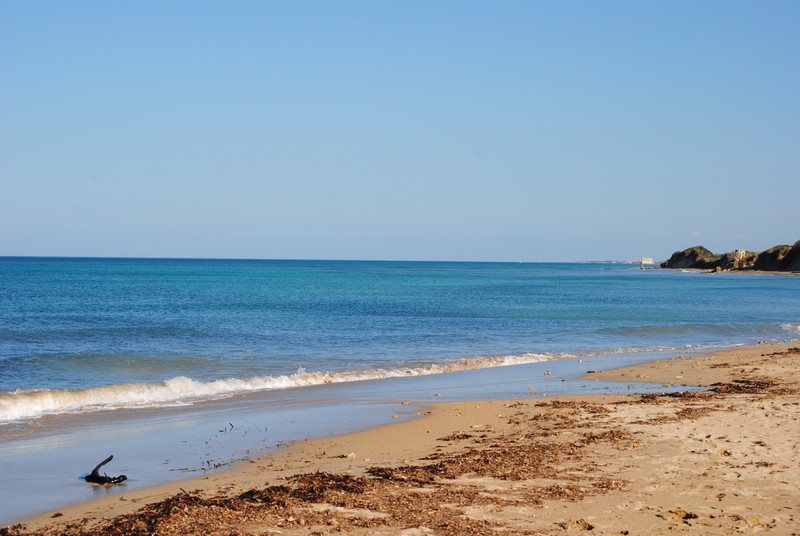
721 461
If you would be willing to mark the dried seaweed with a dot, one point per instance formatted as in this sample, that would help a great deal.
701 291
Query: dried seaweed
743 386
455 437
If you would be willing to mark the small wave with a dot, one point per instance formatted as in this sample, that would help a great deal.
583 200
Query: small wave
30 404
795 328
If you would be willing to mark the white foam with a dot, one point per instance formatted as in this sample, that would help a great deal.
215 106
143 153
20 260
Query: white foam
30 404
791 327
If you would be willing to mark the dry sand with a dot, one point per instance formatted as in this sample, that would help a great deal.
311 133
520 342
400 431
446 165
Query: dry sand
725 461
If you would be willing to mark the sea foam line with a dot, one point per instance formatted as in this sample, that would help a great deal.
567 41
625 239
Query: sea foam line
31 404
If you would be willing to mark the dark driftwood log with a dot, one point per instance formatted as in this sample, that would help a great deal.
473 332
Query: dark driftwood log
95 478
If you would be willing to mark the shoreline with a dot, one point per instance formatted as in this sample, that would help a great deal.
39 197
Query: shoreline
737 271
547 464
40 471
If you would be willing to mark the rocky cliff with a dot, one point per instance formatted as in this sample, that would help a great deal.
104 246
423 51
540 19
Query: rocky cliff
776 259
695 257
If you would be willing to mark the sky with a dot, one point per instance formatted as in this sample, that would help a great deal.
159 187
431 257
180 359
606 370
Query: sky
438 130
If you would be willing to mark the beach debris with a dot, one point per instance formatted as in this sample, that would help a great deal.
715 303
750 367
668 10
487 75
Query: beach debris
578 524
789 351
455 437
682 515
95 478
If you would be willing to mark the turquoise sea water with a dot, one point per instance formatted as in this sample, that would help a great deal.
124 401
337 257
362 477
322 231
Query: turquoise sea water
178 366
94 334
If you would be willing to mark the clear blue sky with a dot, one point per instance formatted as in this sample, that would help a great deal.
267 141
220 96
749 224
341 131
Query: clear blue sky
463 130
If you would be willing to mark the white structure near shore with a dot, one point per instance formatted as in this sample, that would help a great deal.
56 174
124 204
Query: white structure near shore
646 261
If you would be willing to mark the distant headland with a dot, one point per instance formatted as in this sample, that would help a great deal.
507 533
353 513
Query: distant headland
775 259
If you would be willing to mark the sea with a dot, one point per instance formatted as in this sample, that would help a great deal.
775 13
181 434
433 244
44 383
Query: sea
112 353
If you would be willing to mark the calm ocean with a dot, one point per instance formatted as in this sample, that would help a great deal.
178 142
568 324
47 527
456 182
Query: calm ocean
99 334
177 367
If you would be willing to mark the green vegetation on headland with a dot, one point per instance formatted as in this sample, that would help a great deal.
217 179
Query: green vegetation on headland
776 259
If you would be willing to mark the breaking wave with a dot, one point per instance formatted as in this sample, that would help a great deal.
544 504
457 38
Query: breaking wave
30 404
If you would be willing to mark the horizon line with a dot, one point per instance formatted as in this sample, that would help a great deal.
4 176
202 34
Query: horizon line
309 259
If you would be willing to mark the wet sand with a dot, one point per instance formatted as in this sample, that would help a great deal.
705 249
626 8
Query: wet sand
721 461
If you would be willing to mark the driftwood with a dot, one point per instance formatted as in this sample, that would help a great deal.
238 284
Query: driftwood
95 478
